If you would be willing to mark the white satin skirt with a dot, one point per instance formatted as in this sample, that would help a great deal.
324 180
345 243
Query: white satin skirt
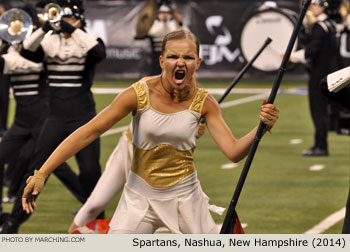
183 208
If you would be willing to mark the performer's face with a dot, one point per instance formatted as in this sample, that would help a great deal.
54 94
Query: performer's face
179 62
2 10
316 9
164 16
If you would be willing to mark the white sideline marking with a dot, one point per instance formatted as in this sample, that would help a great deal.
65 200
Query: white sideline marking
327 223
229 166
317 167
213 91
243 100
295 141
107 90
220 91
223 105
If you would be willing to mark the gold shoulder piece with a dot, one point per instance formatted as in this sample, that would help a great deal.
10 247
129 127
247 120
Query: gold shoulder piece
142 94
198 100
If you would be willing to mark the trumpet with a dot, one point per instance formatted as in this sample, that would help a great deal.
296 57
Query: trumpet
15 25
52 12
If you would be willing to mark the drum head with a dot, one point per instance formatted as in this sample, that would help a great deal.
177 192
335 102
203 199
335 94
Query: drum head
271 23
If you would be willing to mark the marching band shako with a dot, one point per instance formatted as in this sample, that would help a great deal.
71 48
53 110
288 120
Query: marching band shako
267 21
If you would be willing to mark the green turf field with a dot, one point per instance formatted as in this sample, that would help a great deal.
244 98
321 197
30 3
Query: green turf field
281 194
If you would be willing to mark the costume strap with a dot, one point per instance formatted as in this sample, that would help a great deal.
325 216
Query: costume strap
142 94
198 100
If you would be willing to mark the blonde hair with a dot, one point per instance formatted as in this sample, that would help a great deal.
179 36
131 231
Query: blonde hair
180 34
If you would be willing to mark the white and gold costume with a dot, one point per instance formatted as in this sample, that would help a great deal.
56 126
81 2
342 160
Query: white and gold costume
163 188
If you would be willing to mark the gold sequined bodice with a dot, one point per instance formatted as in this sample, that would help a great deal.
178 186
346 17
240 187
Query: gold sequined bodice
164 143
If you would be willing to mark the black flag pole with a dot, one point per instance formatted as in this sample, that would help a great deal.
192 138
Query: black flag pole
230 218
244 70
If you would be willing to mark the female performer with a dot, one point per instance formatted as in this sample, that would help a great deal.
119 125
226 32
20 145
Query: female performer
162 188
112 182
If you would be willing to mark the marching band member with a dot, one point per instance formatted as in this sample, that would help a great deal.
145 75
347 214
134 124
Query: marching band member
28 81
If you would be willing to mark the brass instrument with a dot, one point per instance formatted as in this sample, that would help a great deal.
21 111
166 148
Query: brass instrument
344 10
52 13
15 25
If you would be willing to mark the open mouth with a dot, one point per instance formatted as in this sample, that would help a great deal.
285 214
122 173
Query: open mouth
179 75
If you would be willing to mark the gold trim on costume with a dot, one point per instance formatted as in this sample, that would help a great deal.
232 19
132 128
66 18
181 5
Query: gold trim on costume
198 100
162 166
142 95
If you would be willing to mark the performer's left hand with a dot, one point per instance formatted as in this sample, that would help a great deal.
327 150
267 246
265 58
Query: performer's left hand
269 114
34 186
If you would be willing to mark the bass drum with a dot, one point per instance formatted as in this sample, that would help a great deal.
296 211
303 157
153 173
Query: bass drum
278 24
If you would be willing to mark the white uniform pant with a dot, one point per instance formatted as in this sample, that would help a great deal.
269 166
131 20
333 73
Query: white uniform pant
110 183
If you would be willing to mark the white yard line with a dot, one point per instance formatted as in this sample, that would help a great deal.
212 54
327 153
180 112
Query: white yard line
216 91
229 166
213 91
243 100
296 141
317 167
107 90
328 222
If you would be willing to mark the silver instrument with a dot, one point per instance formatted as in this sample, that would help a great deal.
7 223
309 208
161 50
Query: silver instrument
53 13
15 25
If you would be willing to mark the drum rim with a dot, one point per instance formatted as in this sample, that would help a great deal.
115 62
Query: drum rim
251 15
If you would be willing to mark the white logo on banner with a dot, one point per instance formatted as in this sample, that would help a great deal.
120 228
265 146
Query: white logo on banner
98 28
215 53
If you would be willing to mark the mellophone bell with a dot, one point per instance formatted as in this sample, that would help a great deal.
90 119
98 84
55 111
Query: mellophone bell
52 12
15 25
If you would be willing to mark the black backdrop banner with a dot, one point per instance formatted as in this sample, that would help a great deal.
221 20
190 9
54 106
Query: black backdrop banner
230 32
218 25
